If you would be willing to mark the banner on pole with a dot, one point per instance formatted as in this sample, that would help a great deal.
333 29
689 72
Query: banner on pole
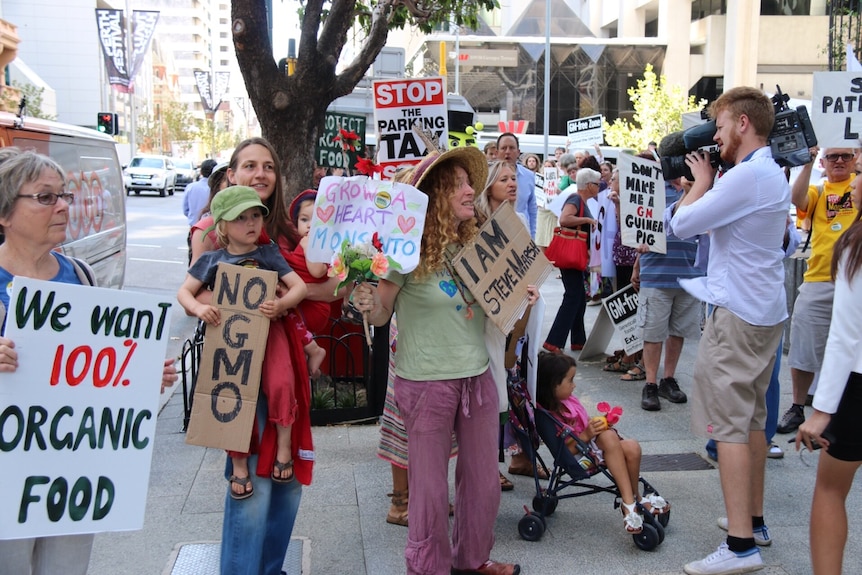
122 66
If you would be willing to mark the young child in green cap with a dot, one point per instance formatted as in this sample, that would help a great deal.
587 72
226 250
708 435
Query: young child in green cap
238 216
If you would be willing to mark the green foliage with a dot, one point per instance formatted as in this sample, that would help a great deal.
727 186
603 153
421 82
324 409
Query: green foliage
322 399
435 13
34 100
658 106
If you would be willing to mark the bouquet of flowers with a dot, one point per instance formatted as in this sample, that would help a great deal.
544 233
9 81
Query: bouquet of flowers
358 263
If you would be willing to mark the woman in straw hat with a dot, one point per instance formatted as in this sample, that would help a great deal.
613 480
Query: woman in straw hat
443 383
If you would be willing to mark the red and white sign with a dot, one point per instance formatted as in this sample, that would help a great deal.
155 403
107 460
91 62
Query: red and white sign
398 104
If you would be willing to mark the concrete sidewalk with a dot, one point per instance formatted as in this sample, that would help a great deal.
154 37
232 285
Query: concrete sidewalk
341 526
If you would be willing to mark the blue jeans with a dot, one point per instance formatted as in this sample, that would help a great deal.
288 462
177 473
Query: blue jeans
257 530
773 398
570 316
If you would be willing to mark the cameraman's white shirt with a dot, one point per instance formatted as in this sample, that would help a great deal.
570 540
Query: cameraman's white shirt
745 213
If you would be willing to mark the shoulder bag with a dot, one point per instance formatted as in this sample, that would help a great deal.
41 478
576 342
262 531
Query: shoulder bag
569 248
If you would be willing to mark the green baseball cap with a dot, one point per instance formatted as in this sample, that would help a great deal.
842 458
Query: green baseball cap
229 203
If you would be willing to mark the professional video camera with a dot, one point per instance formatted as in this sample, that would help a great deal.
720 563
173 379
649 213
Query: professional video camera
791 136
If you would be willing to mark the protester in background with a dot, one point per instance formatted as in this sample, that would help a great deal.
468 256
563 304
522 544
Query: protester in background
745 212
197 194
532 162
667 314
569 166
490 151
569 320
508 149
443 384
835 423
829 207
34 212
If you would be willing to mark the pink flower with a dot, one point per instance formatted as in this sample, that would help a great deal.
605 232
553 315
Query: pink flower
337 268
379 264
611 414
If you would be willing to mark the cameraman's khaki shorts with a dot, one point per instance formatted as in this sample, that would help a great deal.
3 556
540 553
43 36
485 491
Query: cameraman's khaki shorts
731 374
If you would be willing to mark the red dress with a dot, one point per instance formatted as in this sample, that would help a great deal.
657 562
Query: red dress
315 314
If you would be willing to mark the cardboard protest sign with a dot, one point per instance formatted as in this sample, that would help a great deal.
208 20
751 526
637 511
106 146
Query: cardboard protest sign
355 208
585 131
546 186
642 203
329 152
836 104
499 266
78 416
622 308
228 382
398 104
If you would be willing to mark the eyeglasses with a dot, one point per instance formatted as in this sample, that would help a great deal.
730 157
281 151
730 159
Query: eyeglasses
835 157
49 199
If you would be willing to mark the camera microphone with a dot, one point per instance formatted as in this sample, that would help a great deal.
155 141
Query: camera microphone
672 145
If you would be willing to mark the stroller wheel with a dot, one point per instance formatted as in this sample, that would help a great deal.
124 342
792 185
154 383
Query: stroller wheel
531 527
660 530
648 539
545 504
664 519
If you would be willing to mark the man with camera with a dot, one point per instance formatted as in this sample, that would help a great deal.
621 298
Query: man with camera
745 212
829 208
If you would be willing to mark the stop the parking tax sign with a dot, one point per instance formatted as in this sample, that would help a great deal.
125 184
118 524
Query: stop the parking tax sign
398 105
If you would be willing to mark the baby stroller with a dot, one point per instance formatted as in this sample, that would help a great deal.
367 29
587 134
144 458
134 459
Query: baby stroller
570 472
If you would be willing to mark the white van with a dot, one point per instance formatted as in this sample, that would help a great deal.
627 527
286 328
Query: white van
96 232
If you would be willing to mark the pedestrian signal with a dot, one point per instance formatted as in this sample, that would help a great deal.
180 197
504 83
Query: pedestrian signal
107 123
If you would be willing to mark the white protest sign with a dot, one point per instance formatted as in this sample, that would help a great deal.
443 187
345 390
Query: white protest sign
398 104
585 131
78 416
642 203
357 207
622 308
549 179
836 109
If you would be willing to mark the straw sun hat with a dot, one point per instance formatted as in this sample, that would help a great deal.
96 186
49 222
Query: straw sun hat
470 158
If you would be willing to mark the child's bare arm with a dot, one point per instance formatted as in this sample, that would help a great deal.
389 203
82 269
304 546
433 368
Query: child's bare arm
316 269
186 296
295 293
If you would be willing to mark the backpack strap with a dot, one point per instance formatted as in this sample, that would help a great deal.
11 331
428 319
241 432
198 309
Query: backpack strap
83 270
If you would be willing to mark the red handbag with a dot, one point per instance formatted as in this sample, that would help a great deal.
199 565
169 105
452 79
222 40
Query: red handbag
568 249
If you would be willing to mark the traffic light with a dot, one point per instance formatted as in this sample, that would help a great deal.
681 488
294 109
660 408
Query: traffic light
107 123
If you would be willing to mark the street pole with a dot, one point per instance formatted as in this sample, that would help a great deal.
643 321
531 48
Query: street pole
458 60
133 113
546 117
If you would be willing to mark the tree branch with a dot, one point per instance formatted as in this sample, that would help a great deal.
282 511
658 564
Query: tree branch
253 49
308 37
374 42
334 33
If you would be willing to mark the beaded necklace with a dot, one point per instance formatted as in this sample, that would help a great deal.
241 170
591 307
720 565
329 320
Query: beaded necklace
459 285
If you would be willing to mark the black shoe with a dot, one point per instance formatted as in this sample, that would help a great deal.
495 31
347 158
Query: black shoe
791 420
649 398
669 389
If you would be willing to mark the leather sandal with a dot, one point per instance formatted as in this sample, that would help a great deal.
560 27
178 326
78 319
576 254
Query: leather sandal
280 467
398 509
528 471
505 484
636 373
619 366
245 482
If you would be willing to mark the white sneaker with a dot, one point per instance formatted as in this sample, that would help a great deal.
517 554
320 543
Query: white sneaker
726 562
761 534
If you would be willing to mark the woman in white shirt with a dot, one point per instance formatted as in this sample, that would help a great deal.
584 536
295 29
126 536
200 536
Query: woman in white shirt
836 424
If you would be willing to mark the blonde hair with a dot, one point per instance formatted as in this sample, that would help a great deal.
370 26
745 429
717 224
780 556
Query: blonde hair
483 200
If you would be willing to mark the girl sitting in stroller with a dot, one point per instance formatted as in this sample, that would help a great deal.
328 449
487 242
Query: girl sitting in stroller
622 457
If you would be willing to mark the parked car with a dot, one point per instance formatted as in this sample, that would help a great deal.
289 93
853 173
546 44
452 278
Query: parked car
150 173
96 230
186 173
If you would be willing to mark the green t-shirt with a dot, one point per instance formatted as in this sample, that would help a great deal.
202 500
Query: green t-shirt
435 339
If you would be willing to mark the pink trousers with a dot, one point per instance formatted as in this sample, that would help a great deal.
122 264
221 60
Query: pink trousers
431 411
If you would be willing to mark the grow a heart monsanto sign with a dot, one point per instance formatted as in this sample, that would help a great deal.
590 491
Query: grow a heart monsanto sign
355 208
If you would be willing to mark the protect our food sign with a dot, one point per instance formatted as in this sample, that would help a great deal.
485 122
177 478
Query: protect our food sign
357 207
835 109
78 416
398 104
642 203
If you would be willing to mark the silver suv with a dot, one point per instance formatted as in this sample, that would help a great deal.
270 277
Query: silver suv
150 173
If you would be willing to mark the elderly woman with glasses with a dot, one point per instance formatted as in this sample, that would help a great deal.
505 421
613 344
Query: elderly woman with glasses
34 211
